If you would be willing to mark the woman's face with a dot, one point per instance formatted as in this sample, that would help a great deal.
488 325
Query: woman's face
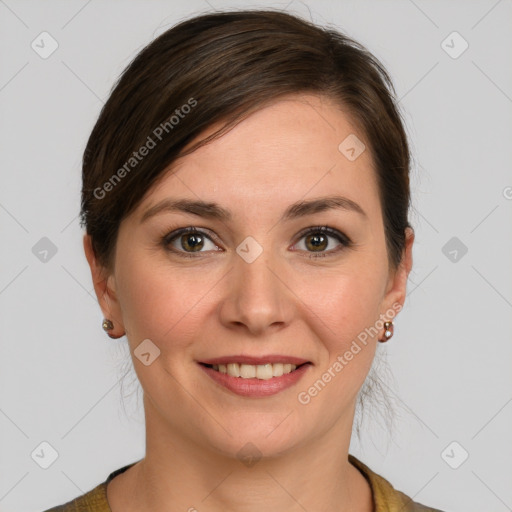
260 282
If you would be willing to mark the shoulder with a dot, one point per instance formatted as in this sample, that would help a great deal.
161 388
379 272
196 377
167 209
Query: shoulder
92 501
386 498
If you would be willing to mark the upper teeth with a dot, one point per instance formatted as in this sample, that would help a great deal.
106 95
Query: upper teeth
251 371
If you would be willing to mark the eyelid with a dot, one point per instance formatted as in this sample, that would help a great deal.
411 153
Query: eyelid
344 240
326 230
176 233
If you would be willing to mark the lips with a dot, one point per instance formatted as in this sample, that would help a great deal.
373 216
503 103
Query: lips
255 376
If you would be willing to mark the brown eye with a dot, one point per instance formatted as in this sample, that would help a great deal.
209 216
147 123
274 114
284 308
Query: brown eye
188 240
319 239
193 242
317 242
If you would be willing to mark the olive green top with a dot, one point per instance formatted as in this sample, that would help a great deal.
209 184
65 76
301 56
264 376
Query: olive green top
385 497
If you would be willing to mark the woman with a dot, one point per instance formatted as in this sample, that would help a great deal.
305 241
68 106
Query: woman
245 198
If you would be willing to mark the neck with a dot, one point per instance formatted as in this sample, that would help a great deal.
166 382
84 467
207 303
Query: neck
178 474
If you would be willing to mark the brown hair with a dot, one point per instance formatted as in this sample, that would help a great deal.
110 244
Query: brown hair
221 67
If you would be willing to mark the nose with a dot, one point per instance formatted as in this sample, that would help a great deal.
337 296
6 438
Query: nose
257 298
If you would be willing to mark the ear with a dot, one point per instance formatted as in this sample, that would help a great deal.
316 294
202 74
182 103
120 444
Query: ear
104 286
397 283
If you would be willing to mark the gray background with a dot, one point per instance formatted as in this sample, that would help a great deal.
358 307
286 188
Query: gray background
450 358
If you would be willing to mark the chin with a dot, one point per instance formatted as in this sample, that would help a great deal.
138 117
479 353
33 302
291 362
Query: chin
255 437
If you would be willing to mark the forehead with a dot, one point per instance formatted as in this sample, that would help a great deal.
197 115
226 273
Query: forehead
292 149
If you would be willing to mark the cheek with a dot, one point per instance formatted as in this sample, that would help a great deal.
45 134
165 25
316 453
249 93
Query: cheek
342 310
154 300
344 302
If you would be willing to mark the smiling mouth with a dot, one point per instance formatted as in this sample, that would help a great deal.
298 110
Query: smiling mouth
251 371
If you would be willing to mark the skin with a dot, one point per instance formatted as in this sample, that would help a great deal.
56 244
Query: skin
217 304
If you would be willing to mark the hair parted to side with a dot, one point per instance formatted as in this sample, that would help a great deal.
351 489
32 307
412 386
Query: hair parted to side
221 67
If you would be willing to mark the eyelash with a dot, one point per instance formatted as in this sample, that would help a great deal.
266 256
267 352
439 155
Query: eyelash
343 239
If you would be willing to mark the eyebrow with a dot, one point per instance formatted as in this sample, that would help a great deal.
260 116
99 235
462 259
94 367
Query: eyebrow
215 211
